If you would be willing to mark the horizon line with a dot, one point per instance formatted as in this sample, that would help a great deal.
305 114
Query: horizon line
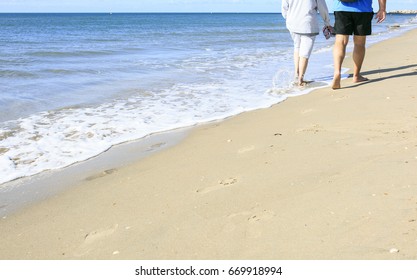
166 12
109 12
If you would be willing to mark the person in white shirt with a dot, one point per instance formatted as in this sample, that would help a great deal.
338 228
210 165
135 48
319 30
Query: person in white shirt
301 21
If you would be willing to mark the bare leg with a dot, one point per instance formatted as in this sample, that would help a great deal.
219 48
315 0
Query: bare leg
358 57
302 67
296 65
339 52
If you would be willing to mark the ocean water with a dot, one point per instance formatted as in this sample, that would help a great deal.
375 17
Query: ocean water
74 85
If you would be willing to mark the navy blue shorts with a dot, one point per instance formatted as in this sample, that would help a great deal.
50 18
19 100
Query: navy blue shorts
348 23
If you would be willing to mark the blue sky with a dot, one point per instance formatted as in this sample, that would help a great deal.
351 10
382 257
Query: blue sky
163 5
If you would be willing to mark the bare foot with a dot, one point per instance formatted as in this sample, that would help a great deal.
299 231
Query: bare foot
304 83
301 82
336 81
360 79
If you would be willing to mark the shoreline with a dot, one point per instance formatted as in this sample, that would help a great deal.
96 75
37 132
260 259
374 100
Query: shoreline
38 164
321 181
26 191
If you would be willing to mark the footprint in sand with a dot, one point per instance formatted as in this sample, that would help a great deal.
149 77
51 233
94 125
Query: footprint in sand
340 98
255 214
99 234
249 220
102 174
254 230
156 146
222 184
246 149
314 128
307 111
239 214
92 237
261 216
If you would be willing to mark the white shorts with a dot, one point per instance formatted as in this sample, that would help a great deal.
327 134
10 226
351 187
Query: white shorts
303 44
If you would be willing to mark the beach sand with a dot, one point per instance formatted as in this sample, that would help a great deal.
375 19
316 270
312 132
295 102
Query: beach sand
328 175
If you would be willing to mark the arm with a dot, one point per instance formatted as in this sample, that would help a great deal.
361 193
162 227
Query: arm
382 13
324 11
284 8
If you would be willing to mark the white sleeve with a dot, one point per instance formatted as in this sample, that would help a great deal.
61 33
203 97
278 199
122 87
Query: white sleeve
284 8
323 10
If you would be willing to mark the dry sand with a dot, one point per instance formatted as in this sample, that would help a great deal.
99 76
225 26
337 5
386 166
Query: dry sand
328 175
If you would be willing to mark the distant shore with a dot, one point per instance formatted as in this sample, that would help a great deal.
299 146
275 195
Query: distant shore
406 12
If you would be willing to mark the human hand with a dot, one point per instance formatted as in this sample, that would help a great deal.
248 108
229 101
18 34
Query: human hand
332 30
328 31
380 16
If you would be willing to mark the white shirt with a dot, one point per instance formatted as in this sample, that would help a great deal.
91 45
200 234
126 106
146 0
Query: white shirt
301 15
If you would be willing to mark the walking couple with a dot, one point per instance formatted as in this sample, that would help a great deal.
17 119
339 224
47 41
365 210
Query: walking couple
351 17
